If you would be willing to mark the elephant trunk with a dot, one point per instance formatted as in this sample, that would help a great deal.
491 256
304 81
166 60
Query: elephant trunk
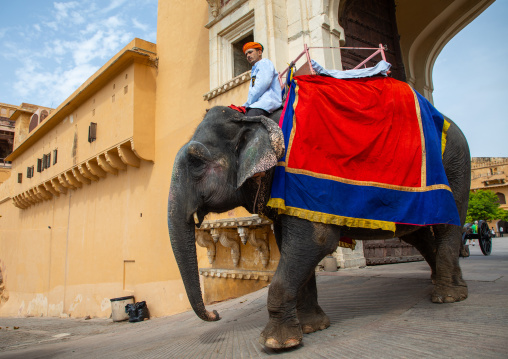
182 236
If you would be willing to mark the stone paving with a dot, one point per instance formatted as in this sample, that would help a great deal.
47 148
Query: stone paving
376 312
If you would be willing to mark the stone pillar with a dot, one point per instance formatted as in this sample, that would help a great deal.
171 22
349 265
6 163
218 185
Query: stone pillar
347 258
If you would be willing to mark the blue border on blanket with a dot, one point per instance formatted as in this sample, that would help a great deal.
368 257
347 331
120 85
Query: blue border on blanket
419 207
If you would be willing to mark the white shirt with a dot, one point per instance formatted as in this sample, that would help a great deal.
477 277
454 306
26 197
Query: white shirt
264 88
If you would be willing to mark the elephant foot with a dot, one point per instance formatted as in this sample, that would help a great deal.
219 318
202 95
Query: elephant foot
464 251
313 321
281 336
445 294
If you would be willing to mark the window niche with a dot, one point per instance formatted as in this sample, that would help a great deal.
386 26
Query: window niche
226 41
92 132
240 63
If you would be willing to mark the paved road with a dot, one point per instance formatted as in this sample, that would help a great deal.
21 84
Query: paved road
376 312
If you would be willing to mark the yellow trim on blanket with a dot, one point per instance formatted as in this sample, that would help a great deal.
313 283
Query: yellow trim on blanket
422 139
446 126
329 218
364 183
351 246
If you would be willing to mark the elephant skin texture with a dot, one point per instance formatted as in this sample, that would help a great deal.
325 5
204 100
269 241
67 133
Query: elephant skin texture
229 163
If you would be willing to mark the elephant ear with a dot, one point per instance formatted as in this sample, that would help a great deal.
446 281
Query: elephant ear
261 150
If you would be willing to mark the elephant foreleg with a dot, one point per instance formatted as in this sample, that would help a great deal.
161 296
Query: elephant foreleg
310 315
303 245
449 286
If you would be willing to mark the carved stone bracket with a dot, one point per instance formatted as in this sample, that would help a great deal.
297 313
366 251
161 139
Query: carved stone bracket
214 7
204 239
230 232
95 169
58 186
49 187
229 239
115 159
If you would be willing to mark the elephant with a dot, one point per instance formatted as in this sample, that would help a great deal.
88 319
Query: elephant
229 162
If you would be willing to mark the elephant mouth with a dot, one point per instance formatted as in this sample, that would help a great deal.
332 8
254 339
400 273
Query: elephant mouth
259 174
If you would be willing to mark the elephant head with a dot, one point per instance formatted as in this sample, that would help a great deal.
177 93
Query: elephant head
212 173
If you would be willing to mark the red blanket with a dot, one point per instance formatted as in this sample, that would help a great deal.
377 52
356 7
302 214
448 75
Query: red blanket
362 153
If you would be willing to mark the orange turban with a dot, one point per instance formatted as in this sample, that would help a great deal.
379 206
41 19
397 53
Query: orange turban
252 45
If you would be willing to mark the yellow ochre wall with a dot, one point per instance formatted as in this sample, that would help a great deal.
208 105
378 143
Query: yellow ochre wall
4 174
69 255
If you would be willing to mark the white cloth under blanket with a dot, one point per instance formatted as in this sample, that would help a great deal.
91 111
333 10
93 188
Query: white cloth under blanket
381 68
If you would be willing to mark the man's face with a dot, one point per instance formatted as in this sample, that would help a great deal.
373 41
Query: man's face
253 55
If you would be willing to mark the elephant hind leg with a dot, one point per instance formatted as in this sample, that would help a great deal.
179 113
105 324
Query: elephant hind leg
310 315
423 240
449 285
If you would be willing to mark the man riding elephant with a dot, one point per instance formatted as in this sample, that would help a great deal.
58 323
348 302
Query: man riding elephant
264 90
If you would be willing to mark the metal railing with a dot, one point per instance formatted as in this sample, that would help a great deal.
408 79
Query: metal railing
5 164
376 51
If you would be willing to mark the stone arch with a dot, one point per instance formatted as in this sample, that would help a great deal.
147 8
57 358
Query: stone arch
422 49
501 198
334 7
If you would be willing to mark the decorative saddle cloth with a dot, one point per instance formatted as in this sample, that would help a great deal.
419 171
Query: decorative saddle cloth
362 153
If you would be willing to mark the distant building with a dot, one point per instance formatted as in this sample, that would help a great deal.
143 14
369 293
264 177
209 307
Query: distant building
83 216
6 139
491 173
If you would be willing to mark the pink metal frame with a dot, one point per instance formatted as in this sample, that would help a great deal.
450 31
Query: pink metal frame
378 50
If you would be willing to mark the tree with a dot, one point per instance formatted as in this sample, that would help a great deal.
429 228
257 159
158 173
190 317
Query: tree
502 215
484 205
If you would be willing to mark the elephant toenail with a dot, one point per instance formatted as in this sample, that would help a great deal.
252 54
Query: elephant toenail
272 343
291 343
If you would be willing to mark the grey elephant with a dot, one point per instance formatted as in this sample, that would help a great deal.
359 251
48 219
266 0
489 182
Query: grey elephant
229 162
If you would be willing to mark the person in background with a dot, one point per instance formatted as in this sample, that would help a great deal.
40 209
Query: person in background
474 227
264 89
